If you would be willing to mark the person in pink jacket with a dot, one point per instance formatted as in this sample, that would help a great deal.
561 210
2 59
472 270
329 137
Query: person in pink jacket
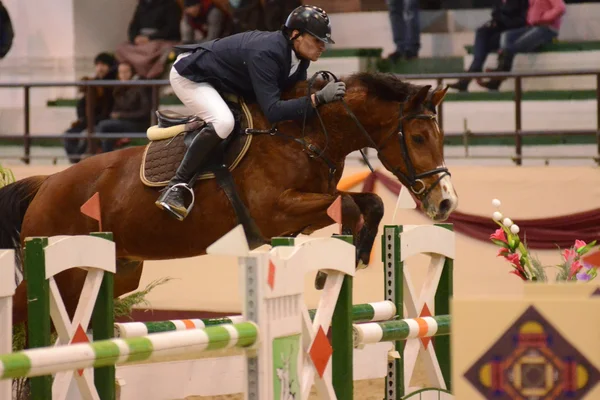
543 23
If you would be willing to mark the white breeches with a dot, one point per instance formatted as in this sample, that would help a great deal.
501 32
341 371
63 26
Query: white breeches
204 101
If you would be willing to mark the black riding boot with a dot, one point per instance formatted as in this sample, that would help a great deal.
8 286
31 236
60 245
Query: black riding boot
172 198
462 84
505 61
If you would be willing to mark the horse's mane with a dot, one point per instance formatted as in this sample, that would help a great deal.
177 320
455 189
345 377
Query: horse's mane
387 87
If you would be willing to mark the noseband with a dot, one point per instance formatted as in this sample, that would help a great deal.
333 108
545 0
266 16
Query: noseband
413 180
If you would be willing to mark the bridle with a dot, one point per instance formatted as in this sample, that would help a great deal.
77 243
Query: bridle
413 180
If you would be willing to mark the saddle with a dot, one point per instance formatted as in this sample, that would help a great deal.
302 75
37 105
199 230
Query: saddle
170 138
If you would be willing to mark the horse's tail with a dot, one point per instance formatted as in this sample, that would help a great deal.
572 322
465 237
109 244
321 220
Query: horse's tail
14 201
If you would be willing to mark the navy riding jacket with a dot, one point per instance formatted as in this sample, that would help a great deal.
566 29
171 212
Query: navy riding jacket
252 64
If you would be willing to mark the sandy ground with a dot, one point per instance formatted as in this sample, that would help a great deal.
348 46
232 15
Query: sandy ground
371 389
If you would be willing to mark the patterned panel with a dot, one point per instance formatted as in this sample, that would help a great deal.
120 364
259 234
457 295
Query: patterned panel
532 360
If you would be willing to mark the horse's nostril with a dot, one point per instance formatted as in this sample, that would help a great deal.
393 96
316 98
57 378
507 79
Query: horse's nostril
445 206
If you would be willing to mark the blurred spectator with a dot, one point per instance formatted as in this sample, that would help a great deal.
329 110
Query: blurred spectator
131 110
6 31
105 68
543 24
209 18
266 15
153 31
277 11
247 15
506 14
406 29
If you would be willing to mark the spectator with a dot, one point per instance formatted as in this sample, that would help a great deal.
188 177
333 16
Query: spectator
264 15
153 31
247 15
406 29
131 111
208 17
506 14
276 12
105 69
543 24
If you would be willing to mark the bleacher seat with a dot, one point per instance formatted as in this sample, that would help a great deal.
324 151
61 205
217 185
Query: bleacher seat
560 55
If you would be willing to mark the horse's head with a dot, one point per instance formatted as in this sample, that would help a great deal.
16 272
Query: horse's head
402 123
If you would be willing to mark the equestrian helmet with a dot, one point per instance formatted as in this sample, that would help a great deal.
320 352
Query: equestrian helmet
312 20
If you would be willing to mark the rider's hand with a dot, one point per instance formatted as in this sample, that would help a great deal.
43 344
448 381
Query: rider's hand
331 92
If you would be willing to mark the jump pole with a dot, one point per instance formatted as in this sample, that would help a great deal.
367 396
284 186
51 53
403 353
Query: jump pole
367 312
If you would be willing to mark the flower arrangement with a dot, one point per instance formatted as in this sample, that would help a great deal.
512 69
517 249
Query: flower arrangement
529 268
6 176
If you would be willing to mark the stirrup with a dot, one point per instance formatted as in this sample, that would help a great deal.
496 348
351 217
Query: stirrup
173 212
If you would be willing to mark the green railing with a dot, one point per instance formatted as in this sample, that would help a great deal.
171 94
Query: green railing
517 135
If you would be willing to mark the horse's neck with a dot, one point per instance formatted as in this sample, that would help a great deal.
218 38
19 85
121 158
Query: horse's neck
343 134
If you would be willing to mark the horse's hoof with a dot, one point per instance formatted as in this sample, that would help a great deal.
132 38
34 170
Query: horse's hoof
320 280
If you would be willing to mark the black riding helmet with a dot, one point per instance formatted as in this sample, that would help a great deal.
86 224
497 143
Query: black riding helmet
312 20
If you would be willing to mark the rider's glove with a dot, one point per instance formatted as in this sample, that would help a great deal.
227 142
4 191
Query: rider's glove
331 92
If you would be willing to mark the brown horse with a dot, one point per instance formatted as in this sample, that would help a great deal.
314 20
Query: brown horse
286 191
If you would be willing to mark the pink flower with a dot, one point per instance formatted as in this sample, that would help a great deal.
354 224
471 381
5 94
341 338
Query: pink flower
579 244
575 267
518 273
514 260
499 235
569 254
502 252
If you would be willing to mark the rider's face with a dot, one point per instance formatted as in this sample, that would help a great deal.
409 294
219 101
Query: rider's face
308 46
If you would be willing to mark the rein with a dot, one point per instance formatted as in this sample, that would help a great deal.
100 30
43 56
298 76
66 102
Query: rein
411 177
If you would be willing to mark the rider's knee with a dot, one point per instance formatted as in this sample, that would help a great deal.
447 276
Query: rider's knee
224 125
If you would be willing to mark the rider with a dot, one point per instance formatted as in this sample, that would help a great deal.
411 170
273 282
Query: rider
257 65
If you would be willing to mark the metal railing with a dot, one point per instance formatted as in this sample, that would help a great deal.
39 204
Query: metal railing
27 138
518 134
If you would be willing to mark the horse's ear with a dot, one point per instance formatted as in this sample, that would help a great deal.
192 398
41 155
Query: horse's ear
438 95
418 98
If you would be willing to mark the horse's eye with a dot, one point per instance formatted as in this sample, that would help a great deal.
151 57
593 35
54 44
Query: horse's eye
418 139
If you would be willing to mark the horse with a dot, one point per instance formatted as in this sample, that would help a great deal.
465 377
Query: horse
287 182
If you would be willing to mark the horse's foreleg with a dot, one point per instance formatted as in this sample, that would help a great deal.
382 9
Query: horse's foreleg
371 207
310 210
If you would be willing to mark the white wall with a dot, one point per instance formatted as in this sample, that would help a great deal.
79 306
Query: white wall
43 29
101 25
56 41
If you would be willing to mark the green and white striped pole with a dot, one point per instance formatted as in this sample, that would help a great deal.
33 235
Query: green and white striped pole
136 329
47 361
410 328
368 312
